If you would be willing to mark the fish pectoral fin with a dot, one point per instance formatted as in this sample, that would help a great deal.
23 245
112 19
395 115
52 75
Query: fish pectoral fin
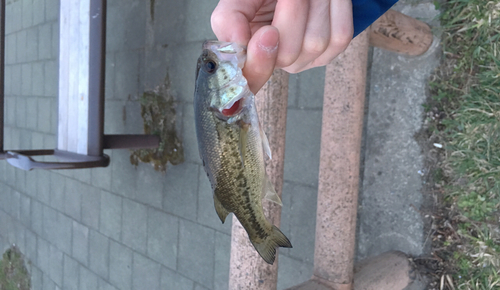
265 143
242 144
222 212
271 194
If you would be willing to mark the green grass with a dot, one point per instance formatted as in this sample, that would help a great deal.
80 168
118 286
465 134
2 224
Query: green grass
13 273
466 87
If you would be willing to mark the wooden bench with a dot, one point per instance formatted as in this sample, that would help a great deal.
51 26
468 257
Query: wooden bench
80 136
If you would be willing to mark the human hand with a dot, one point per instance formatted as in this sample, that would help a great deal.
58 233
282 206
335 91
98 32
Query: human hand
310 33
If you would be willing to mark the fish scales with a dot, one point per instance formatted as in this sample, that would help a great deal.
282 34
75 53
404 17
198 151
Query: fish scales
231 142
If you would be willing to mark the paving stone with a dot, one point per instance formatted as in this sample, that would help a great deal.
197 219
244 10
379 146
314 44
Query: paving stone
21 46
189 141
15 204
43 254
51 79
8 84
26 74
36 143
222 256
126 74
111 215
91 205
206 210
16 79
149 185
51 10
25 213
104 285
10 110
38 11
10 50
55 40
196 252
82 175
70 274
169 17
57 228
88 280
45 40
57 191
162 237
173 280
21 112
181 190
37 217
5 196
37 87
19 237
198 27
183 57
120 266
73 198
48 284
32 113
124 181
109 83
32 44
27 16
30 246
292 272
101 176
302 221
15 142
80 248
114 116
145 273
36 278
99 254
55 265
303 144
44 111
134 225
199 287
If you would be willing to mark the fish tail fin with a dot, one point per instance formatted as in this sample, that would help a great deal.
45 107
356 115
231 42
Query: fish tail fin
267 248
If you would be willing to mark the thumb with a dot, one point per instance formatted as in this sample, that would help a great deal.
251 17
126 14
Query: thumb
262 52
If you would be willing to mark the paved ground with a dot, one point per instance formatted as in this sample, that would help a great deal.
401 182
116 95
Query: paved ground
133 228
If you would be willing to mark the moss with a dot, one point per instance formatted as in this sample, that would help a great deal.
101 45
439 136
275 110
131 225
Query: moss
13 273
158 113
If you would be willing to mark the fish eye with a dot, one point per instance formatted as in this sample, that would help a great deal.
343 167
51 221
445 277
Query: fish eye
210 66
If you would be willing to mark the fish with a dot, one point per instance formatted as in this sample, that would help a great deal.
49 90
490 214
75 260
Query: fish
232 145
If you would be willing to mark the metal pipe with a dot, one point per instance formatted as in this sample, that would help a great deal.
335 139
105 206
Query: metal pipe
131 141
2 72
343 110
97 57
247 269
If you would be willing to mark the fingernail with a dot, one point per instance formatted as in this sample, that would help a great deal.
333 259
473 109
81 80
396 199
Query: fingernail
269 40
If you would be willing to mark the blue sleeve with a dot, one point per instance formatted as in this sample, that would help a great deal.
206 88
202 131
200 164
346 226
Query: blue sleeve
365 12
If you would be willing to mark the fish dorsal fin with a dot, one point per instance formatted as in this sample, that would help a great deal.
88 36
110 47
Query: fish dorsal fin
220 209
265 143
242 144
270 193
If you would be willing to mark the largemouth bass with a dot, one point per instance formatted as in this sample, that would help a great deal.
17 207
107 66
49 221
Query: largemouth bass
232 145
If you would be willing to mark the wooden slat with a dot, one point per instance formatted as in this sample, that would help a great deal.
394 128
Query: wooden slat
73 76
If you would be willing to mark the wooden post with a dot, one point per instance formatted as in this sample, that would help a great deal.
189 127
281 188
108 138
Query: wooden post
247 269
400 33
343 111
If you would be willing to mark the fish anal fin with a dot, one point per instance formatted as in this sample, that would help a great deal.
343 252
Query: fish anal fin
265 143
222 212
270 192
267 248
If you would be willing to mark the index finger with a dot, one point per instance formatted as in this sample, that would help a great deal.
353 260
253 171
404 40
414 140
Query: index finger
231 20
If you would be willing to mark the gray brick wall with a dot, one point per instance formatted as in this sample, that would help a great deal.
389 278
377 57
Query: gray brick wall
123 227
